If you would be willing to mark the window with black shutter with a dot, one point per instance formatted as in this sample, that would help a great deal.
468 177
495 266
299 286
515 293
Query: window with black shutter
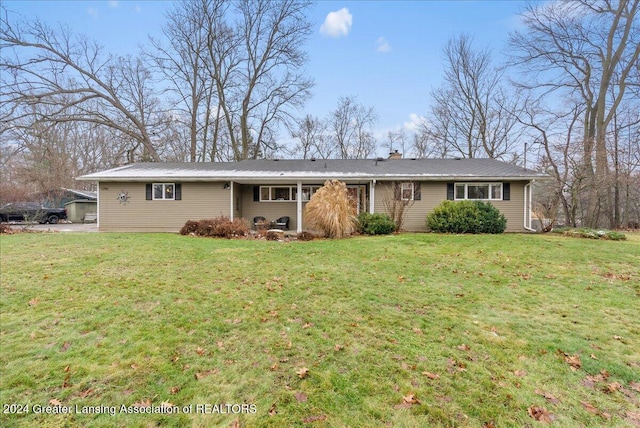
506 191
450 195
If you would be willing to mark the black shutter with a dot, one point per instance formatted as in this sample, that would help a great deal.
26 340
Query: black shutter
397 190
506 191
178 192
450 192
256 193
417 193
149 191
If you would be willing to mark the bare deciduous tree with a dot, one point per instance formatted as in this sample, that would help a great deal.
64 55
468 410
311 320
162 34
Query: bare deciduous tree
311 138
71 76
256 63
472 114
181 58
586 51
350 126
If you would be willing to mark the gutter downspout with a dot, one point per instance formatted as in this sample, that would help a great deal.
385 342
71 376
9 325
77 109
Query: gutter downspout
372 196
528 195
231 200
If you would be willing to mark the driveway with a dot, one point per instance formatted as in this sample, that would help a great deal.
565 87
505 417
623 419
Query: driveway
60 227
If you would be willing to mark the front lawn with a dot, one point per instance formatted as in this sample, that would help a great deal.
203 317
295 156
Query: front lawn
409 331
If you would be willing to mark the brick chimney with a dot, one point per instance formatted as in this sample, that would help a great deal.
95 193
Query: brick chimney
395 155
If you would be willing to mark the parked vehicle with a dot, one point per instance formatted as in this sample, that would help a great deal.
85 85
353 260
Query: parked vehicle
31 211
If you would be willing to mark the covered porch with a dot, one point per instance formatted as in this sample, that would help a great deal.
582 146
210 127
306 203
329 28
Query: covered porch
273 200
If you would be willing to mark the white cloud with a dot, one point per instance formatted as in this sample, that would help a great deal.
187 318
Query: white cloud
93 12
114 3
337 23
415 122
382 45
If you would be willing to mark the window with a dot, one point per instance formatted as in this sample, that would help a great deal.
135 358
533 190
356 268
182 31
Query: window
479 191
285 193
407 192
163 191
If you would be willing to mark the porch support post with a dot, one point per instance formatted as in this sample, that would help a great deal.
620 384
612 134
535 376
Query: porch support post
98 205
231 200
372 196
299 208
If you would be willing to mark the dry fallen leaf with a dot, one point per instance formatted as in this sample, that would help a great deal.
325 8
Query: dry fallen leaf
55 402
200 351
143 403
464 347
612 387
65 346
590 408
272 410
235 424
634 417
540 414
550 397
301 396
167 404
33 302
66 382
302 373
430 375
174 390
573 360
310 419
338 347
86 393
520 373
205 373
411 399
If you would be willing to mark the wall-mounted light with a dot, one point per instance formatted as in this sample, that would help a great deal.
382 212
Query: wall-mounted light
226 186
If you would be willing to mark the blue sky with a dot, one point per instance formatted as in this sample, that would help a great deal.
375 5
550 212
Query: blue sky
387 53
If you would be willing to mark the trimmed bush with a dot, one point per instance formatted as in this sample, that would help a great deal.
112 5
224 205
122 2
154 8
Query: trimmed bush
466 217
375 224
219 227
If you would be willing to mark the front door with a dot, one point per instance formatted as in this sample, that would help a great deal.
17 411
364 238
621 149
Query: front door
358 197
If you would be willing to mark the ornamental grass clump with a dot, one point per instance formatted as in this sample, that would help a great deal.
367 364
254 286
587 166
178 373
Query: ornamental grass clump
330 211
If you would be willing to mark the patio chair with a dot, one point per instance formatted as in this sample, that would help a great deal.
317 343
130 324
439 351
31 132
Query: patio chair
259 222
283 223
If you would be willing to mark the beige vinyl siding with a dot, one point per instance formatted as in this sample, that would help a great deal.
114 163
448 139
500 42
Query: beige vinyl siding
270 210
199 200
513 210
433 193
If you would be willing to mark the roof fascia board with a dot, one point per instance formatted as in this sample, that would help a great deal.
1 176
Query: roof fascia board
307 178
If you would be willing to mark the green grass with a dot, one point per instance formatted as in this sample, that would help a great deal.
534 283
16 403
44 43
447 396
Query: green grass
119 319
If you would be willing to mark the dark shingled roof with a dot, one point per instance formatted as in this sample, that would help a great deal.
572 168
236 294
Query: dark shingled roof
320 169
